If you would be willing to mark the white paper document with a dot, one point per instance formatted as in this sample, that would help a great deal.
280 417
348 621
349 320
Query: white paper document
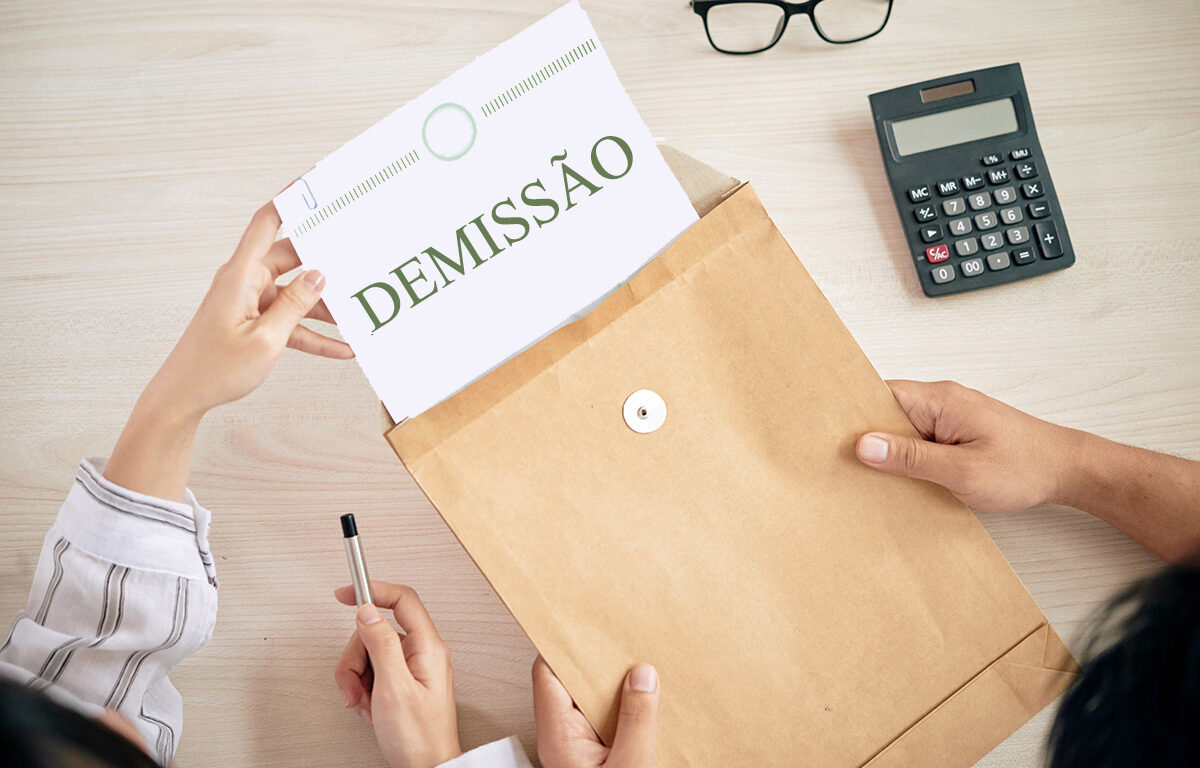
484 213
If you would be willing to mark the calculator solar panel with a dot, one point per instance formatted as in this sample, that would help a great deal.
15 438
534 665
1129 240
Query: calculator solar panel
970 181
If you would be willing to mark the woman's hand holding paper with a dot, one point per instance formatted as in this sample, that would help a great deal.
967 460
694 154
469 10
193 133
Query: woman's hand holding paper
565 739
246 320
402 685
228 349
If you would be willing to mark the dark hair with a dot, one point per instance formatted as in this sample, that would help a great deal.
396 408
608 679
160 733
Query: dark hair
38 732
1137 699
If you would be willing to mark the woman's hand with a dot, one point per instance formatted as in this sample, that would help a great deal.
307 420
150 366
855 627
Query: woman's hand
230 346
566 740
245 321
991 456
402 685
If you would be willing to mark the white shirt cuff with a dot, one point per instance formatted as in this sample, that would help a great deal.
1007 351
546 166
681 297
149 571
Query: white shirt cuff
136 530
505 753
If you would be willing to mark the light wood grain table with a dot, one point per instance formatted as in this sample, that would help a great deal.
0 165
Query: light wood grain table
137 137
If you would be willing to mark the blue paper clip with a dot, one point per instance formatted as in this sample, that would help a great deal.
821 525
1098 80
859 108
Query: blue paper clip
308 197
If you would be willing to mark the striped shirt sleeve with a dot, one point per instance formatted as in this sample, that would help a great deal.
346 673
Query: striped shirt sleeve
124 590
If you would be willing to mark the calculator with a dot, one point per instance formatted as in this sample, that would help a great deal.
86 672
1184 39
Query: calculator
970 180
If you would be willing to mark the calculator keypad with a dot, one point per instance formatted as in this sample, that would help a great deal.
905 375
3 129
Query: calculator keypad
996 219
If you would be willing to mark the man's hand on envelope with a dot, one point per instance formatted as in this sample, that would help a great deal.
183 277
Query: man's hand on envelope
996 459
993 457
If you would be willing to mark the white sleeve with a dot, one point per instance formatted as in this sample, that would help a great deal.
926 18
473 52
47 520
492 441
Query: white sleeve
124 591
505 753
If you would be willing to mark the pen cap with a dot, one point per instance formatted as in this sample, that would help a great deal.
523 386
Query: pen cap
358 564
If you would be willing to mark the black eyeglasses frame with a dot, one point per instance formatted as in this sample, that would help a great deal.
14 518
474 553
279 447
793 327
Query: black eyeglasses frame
701 8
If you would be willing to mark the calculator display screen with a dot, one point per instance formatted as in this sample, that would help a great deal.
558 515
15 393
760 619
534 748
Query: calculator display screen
954 126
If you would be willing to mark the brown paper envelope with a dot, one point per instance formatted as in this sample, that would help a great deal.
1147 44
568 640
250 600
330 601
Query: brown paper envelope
801 609
983 712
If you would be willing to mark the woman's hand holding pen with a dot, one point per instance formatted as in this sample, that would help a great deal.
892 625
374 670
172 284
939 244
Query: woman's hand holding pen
402 685
228 349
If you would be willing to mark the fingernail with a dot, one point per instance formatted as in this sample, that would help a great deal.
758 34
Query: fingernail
366 715
368 614
346 698
643 678
872 449
313 279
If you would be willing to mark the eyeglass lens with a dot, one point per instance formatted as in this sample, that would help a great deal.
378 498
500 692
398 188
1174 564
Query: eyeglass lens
750 27
843 21
744 27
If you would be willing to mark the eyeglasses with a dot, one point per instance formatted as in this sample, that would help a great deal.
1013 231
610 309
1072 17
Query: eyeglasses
753 26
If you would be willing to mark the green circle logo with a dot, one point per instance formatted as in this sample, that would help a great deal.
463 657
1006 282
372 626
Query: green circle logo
449 131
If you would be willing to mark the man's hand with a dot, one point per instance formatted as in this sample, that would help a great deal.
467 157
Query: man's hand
566 740
991 456
996 458
402 685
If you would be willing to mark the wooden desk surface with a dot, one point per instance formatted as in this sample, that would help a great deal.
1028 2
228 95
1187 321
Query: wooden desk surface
136 138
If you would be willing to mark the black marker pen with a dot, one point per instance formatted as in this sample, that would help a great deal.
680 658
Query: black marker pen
358 566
